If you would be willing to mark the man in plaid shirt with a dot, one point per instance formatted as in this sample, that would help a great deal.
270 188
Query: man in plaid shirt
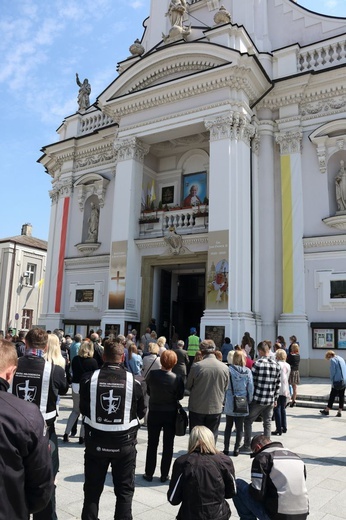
266 378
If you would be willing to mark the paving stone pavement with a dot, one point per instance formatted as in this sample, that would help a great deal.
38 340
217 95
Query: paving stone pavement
319 440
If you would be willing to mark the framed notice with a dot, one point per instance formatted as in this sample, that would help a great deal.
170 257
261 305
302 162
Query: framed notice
324 338
342 338
84 295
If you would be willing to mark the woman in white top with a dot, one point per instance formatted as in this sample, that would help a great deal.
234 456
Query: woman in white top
284 395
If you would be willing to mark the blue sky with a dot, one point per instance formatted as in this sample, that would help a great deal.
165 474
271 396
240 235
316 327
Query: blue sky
42 45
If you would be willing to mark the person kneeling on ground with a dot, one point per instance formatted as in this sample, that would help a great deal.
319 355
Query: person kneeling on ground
278 488
202 480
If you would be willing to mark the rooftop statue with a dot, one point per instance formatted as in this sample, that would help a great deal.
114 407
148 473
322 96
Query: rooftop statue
83 94
176 12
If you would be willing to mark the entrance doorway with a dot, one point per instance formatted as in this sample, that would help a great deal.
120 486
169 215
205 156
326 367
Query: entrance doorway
182 302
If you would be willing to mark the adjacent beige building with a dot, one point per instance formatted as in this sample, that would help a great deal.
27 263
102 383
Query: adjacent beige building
22 271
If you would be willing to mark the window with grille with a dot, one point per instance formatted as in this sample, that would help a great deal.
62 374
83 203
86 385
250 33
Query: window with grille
31 269
27 318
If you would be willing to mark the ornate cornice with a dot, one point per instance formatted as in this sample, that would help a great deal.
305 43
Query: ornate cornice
233 125
62 188
88 261
290 141
323 242
153 243
186 66
130 148
238 80
94 156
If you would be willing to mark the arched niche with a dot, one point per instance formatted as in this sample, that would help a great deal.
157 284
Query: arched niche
91 184
330 142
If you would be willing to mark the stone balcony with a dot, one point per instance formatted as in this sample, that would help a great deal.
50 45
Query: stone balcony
319 56
157 223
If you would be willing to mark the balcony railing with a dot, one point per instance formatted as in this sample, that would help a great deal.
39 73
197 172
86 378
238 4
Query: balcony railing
94 122
327 54
185 221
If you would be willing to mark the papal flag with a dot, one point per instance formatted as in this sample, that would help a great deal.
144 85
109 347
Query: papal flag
38 285
152 195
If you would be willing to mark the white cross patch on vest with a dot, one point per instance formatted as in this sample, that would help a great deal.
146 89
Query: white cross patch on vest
109 402
26 392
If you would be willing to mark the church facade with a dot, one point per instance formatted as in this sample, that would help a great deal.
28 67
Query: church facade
206 185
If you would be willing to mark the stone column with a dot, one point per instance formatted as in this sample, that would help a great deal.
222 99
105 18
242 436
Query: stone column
125 268
266 239
52 311
293 319
230 223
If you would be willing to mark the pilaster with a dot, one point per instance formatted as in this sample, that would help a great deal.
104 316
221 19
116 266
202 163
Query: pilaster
124 284
293 319
229 276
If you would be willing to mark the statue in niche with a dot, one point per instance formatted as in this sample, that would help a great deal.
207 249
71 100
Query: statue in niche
176 12
340 187
83 94
93 224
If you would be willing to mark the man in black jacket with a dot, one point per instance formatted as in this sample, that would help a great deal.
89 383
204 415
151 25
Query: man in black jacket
278 489
112 402
40 382
26 479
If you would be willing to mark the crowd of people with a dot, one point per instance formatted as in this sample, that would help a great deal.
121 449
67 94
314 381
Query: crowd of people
120 384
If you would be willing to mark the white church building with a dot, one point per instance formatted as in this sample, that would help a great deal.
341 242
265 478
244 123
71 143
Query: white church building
206 185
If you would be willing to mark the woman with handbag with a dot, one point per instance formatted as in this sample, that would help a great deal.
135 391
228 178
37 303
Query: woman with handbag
239 393
165 389
202 480
338 380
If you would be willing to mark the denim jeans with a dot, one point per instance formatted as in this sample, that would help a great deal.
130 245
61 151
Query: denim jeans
280 414
248 508
255 410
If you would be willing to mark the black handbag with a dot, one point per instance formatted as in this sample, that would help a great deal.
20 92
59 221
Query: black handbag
181 421
239 401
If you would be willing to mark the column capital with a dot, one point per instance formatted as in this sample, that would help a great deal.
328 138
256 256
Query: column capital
62 188
233 125
130 148
290 141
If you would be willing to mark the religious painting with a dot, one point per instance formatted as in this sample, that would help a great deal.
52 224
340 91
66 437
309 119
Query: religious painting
217 334
167 195
112 329
218 270
117 283
194 189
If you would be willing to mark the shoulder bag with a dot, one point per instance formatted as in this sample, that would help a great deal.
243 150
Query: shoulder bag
180 421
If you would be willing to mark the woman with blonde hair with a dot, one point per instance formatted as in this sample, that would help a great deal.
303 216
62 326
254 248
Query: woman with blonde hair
53 352
293 359
202 479
284 393
82 363
162 343
240 384
338 380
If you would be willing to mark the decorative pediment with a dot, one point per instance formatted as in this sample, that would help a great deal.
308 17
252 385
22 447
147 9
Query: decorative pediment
169 74
165 70
91 184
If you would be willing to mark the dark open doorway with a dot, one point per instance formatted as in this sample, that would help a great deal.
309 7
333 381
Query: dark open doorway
187 310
